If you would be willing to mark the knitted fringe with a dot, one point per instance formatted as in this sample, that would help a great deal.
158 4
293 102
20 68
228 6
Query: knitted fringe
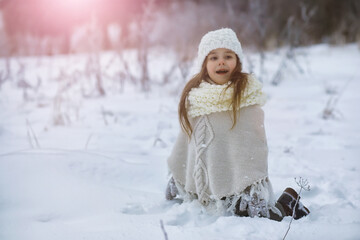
260 192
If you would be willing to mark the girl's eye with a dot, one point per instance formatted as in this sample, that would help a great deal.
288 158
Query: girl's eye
213 58
229 57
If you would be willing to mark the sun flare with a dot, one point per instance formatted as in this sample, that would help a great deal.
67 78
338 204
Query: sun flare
74 5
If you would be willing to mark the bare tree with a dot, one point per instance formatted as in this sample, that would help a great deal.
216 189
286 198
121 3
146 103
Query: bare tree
145 27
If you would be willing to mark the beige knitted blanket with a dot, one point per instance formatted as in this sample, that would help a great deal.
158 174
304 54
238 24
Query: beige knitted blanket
218 162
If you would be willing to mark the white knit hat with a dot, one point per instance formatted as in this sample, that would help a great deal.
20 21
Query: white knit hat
222 38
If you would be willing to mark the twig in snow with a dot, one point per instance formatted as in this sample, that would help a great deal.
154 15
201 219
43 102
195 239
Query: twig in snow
160 141
157 137
330 108
88 141
32 136
103 113
303 184
163 229
3 78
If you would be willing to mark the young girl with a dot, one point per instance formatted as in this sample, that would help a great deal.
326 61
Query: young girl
220 156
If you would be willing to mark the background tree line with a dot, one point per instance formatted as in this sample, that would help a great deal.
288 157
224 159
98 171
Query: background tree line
45 27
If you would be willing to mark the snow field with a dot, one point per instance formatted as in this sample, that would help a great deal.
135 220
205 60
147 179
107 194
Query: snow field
103 176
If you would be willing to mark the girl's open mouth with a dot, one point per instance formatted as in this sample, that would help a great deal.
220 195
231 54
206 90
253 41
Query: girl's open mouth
222 71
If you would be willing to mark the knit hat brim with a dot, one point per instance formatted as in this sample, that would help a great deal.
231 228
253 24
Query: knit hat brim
221 38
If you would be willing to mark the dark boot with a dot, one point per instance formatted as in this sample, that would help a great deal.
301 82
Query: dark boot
275 215
288 201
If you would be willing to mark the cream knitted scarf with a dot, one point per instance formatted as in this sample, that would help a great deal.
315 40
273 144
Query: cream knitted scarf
209 98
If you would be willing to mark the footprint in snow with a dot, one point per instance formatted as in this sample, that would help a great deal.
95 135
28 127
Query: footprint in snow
48 217
140 209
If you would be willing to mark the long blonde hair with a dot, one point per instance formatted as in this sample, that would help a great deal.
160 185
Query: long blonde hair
238 80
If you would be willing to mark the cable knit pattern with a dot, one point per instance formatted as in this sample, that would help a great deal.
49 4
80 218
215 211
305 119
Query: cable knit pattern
203 134
209 98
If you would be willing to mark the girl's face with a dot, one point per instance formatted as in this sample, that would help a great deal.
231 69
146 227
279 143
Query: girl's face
220 64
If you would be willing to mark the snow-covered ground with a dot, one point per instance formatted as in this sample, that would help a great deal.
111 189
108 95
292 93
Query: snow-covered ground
103 174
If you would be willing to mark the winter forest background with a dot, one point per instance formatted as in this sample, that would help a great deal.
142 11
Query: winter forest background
88 114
